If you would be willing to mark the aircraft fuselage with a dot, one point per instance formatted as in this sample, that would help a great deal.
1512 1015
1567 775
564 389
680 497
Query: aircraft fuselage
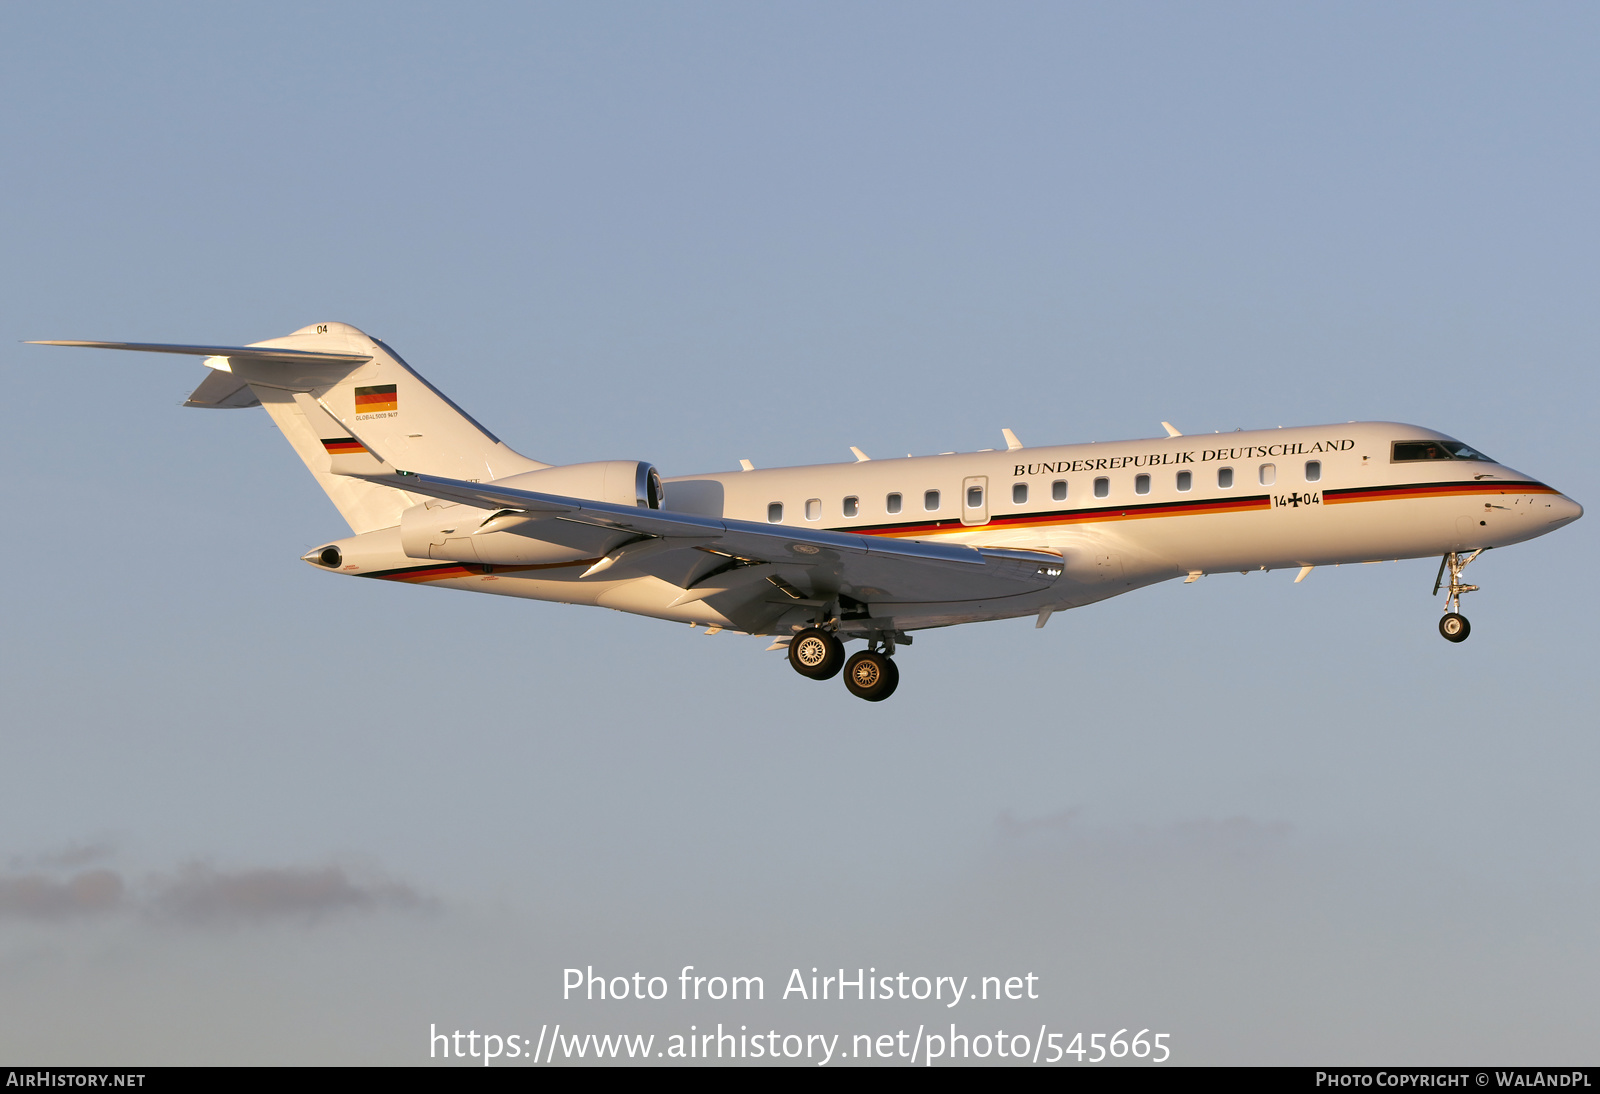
1122 514
870 550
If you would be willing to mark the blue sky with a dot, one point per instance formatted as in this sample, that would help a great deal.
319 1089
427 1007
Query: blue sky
698 233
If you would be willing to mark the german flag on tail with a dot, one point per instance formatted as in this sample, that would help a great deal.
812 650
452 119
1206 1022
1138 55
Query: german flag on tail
377 399
343 446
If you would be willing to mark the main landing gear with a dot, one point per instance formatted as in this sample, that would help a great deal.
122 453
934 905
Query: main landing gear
1454 625
816 653
871 674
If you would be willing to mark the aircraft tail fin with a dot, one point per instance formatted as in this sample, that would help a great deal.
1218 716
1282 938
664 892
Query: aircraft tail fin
312 381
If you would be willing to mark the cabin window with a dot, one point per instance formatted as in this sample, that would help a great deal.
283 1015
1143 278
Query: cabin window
892 503
1225 478
930 500
1405 451
813 508
1102 488
1185 481
974 497
775 512
1058 490
1269 474
1313 470
852 506
1019 493
1141 484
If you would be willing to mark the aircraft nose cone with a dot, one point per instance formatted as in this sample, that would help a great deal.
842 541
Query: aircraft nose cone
1564 510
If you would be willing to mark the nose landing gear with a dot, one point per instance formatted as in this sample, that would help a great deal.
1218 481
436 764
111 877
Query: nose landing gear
1454 625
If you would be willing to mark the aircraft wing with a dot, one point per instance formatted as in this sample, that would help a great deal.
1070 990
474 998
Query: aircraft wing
750 572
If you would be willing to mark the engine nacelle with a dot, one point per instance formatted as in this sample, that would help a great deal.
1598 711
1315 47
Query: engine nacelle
451 531
621 482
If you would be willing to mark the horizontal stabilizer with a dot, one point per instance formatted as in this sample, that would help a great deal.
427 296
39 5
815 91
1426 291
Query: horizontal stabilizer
253 353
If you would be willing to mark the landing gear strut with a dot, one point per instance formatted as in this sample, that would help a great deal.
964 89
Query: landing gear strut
1454 625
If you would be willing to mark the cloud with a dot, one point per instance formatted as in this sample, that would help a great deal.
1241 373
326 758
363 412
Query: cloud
1060 843
40 896
1063 828
200 893
1010 828
71 857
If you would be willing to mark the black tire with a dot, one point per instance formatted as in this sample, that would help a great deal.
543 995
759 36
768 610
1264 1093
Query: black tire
871 676
1455 627
816 654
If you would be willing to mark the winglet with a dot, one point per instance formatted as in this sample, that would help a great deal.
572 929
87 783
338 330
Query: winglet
1012 444
1170 431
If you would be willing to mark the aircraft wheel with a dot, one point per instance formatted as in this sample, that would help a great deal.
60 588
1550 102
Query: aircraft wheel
816 653
1455 627
871 676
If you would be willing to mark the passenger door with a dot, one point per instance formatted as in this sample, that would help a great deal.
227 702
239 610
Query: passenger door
975 488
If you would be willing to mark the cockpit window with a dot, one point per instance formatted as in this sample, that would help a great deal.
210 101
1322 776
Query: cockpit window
1407 451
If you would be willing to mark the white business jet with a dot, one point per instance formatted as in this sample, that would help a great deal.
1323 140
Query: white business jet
870 550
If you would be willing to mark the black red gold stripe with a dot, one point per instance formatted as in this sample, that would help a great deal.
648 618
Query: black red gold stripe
1197 507
375 399
1431 490
343 446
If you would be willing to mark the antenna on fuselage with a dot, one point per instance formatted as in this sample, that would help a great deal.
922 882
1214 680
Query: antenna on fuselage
1012 444
1170 431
